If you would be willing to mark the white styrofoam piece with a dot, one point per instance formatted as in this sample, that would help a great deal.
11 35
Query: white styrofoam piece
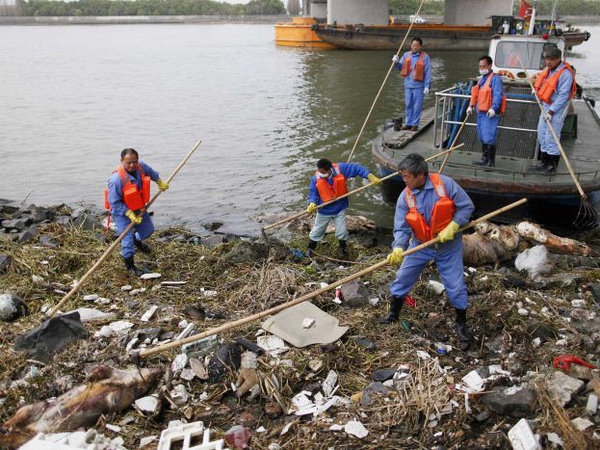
522 438
183 435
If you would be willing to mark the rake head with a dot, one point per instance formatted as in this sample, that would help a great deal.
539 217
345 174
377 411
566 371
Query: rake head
587 216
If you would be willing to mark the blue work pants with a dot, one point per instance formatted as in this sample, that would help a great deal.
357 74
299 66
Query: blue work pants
487 128
413 102
142 231
321 221
449 261
547 142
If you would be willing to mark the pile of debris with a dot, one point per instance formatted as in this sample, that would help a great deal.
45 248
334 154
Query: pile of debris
320 374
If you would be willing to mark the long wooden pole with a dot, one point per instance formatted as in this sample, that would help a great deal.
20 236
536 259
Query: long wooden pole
383 83
462 125
107 252
322 205
137 355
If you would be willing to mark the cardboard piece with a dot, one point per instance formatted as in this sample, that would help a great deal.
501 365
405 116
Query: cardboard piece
288 325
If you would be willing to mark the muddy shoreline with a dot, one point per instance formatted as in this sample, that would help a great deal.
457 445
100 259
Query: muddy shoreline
520 324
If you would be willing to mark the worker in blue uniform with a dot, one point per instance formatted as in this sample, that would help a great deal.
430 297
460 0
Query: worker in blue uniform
487 99
415 68
127 194
329 183
555 87
415 222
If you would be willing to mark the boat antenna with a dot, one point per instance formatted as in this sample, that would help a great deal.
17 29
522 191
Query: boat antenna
385 80
532 20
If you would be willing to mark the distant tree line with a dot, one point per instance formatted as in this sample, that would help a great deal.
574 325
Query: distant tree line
148 8
544 7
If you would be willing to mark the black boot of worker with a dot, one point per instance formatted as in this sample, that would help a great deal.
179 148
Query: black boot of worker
343 249
130 265
484 161
144 248
310 250
543 164
552 163
491 156
462 330
395 307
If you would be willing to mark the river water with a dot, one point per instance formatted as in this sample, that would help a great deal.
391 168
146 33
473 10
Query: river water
73 96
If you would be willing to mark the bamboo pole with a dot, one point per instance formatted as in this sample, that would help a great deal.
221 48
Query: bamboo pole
383 83
107 252
137 355
554 136
322 205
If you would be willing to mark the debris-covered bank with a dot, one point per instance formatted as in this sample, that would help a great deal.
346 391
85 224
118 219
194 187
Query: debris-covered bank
370 386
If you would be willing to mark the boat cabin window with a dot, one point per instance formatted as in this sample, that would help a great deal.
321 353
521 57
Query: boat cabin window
512 54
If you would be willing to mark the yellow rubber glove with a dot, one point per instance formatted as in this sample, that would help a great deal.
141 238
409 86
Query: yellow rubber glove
395 258
373 179
311 208
162 185
447 234
131 216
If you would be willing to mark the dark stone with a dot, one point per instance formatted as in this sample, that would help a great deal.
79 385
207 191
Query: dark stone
543 331
29 234
195 312
148 333
16 224
372 391
84 219
228 357
51 336
482 417
511 401
65 221
355 294
247 252
7 208
214 240
213 226
366 343
383 374
47 241
5 262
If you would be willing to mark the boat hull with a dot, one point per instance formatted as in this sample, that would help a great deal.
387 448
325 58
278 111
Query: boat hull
435 37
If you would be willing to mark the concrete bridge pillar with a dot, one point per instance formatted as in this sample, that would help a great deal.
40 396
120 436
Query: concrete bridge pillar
475 12
372 12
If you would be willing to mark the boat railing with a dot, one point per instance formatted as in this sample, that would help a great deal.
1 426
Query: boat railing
517 130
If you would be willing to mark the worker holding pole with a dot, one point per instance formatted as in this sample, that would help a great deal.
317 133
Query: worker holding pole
329 183
126 197
432 205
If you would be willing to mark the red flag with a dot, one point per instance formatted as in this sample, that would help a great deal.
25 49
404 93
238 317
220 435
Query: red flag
525 10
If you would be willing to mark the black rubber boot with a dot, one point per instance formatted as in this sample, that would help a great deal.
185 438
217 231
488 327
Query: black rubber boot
484 161
395 307
343 249
130 265
312 245
491 156
144 248
464 335
543 164
552 163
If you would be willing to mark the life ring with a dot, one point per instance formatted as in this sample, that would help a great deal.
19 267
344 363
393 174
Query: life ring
506 73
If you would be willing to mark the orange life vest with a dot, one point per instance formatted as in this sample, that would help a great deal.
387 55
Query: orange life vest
482 96
329 192
132 196
441 216
546 85
419 70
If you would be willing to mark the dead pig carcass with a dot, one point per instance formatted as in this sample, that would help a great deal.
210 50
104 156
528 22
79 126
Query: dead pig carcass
109 390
